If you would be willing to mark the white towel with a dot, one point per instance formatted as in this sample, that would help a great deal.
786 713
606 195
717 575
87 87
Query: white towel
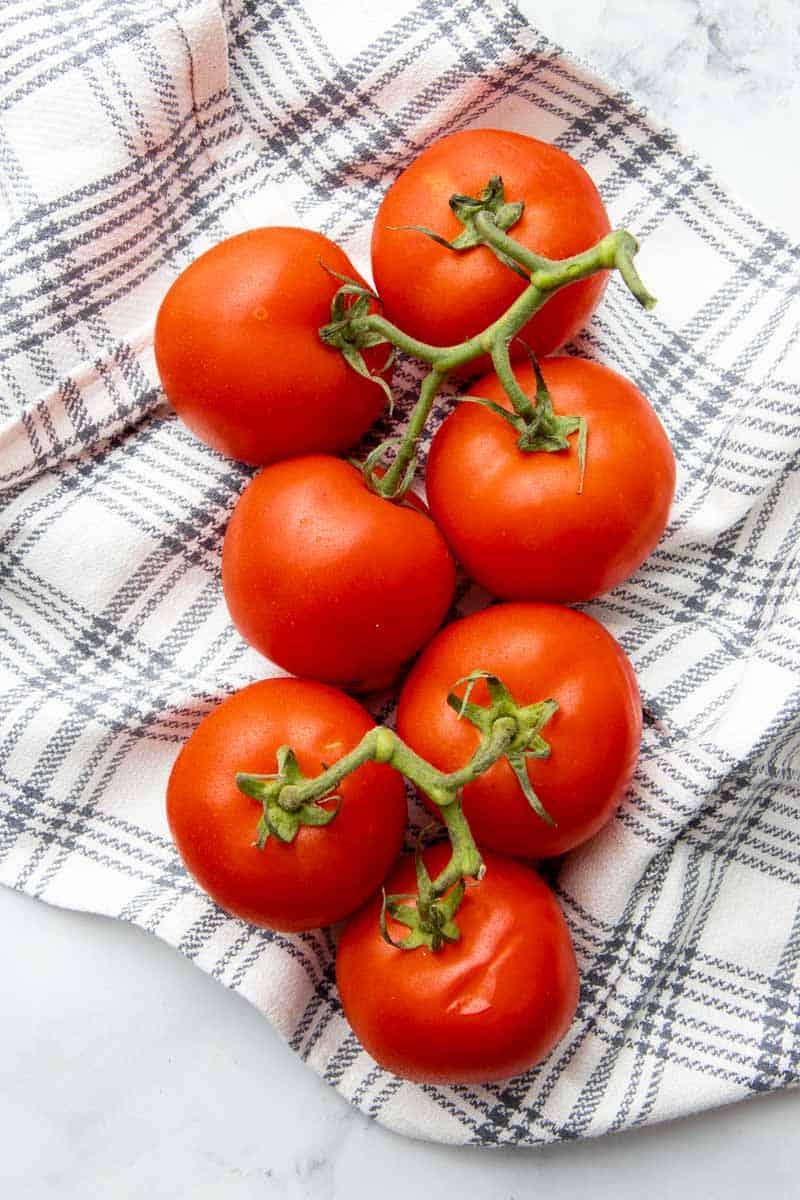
134 135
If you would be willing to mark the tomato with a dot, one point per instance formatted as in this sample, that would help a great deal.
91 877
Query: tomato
326 872
444 297
516 520
239 354
329 580
540 651
487 1007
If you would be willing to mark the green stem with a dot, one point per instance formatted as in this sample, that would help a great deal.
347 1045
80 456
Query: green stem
465 859
391 484
424 351
501 361
549 274
291 800
296 800
293 796
384 746
615 250
445 359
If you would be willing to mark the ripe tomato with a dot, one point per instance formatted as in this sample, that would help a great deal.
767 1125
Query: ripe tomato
240 358
444 297
326 872
540 651
487 1007
516 521
329 580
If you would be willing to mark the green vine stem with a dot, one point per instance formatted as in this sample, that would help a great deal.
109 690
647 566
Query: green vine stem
485 220
290 799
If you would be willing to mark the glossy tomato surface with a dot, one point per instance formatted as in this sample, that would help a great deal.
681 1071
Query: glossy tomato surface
239 355
540 652
443 297
330 581
327 871
516 520
487 1007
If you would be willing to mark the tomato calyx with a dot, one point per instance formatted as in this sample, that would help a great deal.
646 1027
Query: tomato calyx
492 203
346 332
430 921
529 722
538 426
284 808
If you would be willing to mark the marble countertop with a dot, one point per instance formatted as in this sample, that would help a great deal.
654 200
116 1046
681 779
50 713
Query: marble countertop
126 1072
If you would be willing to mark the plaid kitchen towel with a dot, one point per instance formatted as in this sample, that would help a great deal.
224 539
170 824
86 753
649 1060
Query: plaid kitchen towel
134 135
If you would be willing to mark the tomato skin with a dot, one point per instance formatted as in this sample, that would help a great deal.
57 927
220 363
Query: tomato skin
326 872
443 297
239 354
516 521
487 1007
329 580
540 651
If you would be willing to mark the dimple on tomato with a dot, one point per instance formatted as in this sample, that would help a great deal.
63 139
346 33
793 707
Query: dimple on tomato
443 297
240 358
330 581
327 871
541 652
487 1007
516 520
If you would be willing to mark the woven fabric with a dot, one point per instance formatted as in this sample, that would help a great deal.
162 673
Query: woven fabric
134 135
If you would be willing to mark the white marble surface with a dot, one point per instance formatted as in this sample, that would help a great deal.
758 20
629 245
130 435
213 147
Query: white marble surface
724 74
125 1072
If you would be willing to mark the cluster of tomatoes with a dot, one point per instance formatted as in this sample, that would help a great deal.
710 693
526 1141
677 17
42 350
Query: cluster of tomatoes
342 587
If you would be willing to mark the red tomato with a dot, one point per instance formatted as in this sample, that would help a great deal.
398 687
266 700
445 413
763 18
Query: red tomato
487 1007
329 580
326 872
240 358
541 652
444 297
516 521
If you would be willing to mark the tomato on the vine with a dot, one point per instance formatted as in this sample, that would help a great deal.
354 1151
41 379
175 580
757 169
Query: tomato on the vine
326 871
329 580
240 358
541 652
516 520
487 1007
443 297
